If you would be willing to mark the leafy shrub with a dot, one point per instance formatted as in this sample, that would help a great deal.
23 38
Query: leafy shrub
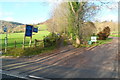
103 35
87 30
51 39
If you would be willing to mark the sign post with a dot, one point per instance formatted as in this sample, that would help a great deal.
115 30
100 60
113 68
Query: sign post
28 32
24 42
6 37
30 41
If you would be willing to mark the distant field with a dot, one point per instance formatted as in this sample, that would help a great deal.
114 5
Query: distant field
42 27
18 37
115 34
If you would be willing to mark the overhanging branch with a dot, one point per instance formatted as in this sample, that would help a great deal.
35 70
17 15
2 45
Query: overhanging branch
72 7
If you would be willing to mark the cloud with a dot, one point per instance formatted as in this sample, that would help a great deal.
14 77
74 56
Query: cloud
108 18
1 11
112 17
0 14
3 14
6 15
8 19
36 20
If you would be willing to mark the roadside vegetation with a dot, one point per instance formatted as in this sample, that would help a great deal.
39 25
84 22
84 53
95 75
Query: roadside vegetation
49 43
70 24
28 52
98 43
49 47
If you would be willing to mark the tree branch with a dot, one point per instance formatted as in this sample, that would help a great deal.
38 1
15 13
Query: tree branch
72 7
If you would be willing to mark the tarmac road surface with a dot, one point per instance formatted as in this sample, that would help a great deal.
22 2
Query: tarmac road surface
97 62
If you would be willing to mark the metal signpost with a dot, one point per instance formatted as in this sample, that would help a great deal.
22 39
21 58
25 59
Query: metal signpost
4 28
6 37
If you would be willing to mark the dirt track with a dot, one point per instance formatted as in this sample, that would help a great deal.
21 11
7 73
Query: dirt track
99 62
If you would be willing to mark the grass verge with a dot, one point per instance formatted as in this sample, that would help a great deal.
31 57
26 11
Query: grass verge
19 52
98 43
15 52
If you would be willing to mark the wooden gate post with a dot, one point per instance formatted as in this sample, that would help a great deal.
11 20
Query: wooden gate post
24 42
35 43
30 41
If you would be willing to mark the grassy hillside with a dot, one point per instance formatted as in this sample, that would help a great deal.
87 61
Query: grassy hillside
14 27
21 28
18 29
100 25
9 25
42 27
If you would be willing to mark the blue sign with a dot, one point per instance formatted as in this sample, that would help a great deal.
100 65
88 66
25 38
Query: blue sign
29 30
35 30
4 28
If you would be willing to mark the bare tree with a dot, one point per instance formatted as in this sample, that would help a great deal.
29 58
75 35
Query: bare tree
59 21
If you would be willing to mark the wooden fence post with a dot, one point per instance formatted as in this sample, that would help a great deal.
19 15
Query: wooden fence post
5 44
35 43
15 44
24 42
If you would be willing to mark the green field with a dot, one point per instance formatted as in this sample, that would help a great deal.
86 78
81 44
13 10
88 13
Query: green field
18 37
42 27
115 34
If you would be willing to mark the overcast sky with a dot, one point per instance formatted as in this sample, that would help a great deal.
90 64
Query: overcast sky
32 11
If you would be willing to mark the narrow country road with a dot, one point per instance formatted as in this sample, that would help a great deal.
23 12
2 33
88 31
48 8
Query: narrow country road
97 62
